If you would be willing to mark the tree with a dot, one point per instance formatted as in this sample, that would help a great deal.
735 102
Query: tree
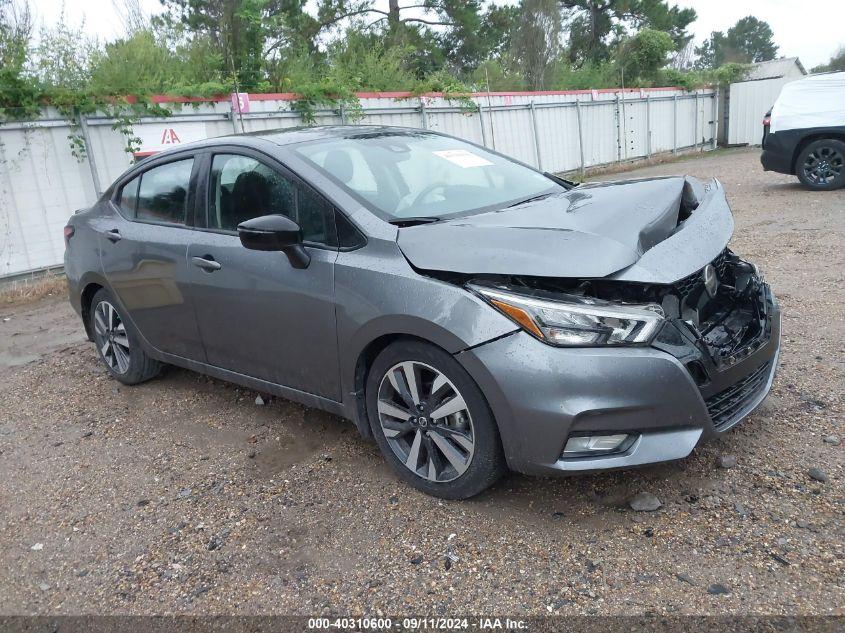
150 62
748 41
235 27
753 39
62 59
497 27
658 15
644 54
18 95
15 34
536 43
597 26
836 63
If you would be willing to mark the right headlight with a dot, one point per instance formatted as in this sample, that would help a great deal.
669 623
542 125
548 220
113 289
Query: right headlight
576 321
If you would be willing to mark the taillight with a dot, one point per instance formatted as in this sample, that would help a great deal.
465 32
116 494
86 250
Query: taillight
69 231
767 120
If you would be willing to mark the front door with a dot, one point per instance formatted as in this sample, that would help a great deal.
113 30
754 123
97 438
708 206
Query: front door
142 249
257 314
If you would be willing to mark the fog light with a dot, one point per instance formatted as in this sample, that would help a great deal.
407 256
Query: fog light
593 444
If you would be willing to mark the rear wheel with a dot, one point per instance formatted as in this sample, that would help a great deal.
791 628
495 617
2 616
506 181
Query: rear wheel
821 165
117 344
432 422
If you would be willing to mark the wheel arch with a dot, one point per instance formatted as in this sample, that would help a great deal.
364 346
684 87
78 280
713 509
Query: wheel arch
812 138
90 286
373 339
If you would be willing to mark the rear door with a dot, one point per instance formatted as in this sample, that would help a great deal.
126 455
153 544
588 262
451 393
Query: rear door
257 314
143 245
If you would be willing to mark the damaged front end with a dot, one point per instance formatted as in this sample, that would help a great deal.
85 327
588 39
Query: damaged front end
718 322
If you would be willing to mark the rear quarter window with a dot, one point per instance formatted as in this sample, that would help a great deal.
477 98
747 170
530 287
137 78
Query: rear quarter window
128 199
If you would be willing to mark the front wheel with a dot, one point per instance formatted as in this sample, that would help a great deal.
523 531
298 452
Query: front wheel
431 421
821 165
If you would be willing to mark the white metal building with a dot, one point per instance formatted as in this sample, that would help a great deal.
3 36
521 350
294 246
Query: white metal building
747 101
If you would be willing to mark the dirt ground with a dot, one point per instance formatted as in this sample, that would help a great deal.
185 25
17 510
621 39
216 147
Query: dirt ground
184 496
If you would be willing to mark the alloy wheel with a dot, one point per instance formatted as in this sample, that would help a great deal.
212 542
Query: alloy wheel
426 421
823 165
111 338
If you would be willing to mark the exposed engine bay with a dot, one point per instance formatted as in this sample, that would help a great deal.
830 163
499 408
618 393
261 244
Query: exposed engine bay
723 309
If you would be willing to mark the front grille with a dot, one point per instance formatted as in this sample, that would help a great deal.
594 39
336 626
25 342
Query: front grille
724 406
691 283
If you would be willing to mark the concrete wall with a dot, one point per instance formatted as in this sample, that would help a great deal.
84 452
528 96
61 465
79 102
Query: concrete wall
42 183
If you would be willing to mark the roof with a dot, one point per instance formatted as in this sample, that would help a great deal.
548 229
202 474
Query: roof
293 135
774 68
289 136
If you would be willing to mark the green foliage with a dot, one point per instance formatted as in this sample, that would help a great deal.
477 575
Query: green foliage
327 50
498 76
451 89
596 27
836 63
62 59
236 29
365 62
18 94
729 73
325 93
536 43
591 75
644 54
748 41
146 64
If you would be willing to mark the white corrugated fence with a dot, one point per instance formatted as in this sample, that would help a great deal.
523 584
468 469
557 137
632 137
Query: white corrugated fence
42 182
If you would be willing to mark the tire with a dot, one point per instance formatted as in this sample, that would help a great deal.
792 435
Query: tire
117 342
821 165
458 449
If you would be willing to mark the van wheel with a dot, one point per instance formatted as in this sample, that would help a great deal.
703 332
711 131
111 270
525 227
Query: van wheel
117 344
431 421
821 165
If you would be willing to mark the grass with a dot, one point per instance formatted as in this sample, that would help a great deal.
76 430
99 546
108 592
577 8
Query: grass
32 288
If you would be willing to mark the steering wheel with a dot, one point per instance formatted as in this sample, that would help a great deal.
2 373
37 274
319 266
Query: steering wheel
422 195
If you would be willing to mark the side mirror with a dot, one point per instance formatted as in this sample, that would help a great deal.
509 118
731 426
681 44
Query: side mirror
275 233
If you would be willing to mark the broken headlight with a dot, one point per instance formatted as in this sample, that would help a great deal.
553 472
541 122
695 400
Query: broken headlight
575 321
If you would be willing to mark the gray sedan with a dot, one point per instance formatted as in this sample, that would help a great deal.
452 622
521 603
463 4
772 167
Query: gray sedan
466 311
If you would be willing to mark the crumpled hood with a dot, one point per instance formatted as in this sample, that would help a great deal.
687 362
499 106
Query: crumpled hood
656 230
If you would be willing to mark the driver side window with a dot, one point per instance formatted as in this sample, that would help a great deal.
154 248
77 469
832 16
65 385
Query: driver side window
242 188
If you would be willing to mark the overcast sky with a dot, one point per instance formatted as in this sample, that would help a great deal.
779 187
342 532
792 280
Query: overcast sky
802 28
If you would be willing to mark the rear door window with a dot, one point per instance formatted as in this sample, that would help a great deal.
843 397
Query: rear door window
163 193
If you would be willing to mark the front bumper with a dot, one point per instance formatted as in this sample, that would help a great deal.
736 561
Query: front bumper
540 395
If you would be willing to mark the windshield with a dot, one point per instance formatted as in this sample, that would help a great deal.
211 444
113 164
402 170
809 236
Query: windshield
424 175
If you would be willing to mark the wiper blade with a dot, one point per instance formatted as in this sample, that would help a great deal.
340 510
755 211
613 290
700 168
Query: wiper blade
412 221
569 184
532 199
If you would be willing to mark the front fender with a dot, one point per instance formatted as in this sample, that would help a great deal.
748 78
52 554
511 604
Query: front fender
379 294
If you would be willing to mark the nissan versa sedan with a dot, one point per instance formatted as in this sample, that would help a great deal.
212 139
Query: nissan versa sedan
466 311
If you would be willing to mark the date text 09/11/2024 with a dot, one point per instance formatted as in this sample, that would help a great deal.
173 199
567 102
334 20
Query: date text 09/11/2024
417 624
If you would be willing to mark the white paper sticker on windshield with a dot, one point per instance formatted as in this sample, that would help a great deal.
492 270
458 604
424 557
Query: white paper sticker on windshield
463 158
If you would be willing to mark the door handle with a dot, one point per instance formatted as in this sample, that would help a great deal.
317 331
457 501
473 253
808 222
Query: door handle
113 235
207 263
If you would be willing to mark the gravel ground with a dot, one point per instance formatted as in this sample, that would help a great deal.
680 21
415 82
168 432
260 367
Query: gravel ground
184 496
